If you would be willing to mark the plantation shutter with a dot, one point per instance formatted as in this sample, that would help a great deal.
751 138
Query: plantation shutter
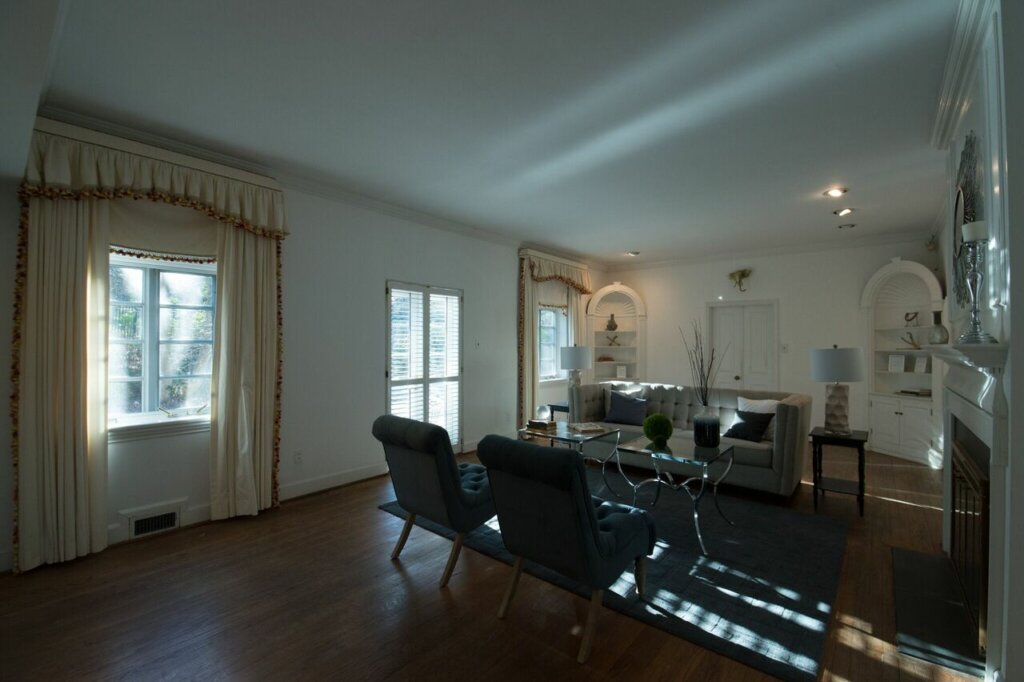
425 355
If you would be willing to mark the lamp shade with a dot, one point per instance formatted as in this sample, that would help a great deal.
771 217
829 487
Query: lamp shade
575 357
837 364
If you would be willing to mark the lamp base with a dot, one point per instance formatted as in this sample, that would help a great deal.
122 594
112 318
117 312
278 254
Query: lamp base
837 408
575 377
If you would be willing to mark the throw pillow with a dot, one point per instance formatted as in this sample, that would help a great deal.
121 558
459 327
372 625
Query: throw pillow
766 406
626 409
751 426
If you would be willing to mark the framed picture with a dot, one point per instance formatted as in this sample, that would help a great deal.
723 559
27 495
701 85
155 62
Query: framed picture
897 363
921 364
620 371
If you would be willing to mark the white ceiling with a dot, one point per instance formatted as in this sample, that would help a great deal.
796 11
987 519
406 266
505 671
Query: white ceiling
593 127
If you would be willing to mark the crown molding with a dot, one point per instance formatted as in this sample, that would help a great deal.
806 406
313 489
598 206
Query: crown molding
968 34
903 237
286 178
334 191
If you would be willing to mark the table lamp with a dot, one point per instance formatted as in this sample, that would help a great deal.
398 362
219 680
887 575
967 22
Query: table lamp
574 359
833 365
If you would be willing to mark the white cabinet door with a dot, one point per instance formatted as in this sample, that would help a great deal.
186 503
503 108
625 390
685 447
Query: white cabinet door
885 421
916 427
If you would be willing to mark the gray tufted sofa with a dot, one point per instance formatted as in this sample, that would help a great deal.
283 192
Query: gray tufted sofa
773 466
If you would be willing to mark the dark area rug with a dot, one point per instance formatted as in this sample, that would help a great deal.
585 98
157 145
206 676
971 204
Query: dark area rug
932 620
763 597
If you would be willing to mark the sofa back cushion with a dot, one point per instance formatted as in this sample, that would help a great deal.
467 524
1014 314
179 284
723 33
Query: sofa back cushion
626 409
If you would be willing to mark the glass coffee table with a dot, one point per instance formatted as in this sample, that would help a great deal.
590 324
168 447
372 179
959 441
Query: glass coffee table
685 453
605 442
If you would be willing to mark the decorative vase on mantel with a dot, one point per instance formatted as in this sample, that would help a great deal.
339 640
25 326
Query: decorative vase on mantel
938 334
707 427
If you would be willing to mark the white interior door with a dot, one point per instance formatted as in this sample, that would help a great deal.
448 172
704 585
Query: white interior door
743 336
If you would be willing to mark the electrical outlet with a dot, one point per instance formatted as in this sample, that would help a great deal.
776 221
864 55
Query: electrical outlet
784 347
298 457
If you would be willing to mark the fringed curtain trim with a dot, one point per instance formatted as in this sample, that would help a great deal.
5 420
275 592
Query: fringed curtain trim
156 255
544 270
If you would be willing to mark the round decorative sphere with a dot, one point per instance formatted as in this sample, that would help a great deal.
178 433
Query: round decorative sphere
544 412
658 428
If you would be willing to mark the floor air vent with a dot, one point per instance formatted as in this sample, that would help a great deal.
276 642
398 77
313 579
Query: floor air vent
154 524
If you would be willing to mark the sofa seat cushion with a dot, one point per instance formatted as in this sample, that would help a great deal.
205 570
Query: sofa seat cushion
750 454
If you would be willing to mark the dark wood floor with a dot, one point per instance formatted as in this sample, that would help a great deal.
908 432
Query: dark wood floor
308 592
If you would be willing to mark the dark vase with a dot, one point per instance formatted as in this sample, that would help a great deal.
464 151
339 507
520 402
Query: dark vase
707 428
612 324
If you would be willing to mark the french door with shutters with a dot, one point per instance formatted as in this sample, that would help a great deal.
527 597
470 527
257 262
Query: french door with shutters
424 349
744 337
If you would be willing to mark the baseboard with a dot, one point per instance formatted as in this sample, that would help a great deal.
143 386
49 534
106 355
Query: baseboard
318 483
6 561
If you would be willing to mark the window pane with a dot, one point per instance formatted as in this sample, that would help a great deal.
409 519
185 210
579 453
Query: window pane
444 407
124 397
444 335
181 324
406 334
125 322
125 284
184 393
125 360
182 359
407 401
179 288
548 336
547 318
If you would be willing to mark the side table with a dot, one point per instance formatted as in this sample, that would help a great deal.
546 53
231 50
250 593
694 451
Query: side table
855 439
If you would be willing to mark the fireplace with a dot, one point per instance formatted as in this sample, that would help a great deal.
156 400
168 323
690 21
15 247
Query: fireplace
969 523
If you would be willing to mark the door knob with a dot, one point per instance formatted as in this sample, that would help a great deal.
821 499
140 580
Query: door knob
737 377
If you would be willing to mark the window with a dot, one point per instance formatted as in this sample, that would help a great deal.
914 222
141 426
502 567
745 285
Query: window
160 358
424 365
552 334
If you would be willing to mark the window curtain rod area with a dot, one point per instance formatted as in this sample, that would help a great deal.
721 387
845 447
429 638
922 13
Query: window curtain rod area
154 153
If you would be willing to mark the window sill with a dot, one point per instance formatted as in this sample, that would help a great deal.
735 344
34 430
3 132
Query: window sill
552 382
142 427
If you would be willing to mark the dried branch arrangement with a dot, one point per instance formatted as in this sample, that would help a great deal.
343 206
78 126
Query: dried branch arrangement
704 365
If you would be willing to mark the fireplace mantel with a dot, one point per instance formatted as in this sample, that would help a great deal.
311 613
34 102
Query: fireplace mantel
982 356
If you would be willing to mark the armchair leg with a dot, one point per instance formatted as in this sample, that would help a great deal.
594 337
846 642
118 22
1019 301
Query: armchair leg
588 630
409 520
452 558
640 573
517 569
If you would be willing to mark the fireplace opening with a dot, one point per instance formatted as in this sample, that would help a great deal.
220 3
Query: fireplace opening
970 522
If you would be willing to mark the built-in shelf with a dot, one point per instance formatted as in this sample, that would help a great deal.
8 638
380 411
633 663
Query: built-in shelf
628 354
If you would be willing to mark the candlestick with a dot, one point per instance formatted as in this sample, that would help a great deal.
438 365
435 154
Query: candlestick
975 276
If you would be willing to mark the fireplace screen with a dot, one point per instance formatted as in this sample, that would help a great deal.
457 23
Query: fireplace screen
969 541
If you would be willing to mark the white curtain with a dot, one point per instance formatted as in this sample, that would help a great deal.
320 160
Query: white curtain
60 402
245 359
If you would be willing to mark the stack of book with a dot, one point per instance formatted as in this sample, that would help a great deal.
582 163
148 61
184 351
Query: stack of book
920 392
541 424
586 427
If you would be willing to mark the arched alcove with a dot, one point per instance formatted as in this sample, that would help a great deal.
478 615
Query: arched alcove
619 353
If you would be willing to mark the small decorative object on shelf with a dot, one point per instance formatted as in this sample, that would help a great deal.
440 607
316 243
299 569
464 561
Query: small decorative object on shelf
910 319
897 363
975 241
658 429
613 340
939 334
612 324
704 367
909 339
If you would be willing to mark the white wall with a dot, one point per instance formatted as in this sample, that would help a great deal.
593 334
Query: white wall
336 263
818 298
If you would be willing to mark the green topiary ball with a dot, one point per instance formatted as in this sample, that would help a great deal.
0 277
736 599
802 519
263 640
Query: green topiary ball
658 428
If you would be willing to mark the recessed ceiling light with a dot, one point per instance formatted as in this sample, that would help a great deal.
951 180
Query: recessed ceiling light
843 211
846 226
633 253
836 192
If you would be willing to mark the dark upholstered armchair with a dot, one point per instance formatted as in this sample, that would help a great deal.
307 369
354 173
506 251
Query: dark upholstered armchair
548 516
429 483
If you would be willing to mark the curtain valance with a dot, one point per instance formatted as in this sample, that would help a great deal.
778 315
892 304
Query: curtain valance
60 167
545 270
